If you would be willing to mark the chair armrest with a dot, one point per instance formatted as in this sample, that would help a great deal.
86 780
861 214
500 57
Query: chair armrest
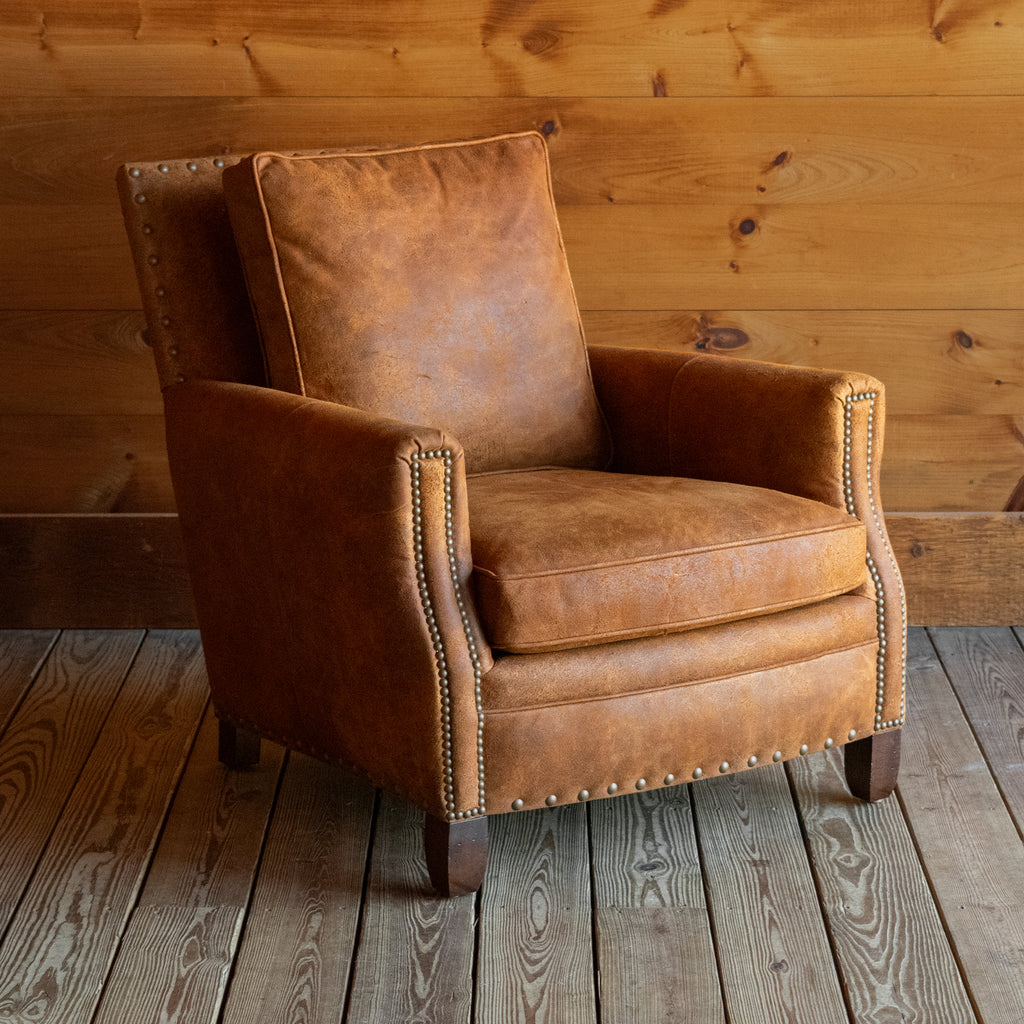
330 560
814 433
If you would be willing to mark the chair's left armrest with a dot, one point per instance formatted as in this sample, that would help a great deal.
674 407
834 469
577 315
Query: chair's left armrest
814 433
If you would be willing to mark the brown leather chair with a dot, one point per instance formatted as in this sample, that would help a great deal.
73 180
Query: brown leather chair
454 548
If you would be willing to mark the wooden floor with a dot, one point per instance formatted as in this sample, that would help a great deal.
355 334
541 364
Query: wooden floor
141 882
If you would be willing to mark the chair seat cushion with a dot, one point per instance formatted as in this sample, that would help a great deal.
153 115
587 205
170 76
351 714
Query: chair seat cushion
568 558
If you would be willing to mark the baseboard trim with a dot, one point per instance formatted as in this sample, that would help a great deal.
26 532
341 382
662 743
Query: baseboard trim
127 571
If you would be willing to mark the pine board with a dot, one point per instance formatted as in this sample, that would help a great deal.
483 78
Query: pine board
535 961
773 953
655 957
61 941
21 656
480 48
47 742
300 936
965 837
894 961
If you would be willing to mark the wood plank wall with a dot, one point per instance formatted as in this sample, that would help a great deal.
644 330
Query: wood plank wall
824 183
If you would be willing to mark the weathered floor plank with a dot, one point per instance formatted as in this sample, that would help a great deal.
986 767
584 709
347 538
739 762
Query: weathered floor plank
21 655
655 958
57 953
966 839
986 668
184 932
536 959
773 952
416 949
894 961
299 941
47 742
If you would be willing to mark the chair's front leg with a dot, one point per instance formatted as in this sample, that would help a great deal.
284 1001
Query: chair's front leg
872 765
456 854
237 747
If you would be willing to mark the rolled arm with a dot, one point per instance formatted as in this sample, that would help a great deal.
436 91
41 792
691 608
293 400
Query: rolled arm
814 433
330 561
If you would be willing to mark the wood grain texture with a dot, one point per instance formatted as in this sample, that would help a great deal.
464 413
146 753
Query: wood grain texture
84 464
299 941
122 571
655 957
965 836
416 948
183 934
21 656
932 362
46 744
72 362
986 668
478 48
536 950
905 149
961 569
67 927
893 957
774 955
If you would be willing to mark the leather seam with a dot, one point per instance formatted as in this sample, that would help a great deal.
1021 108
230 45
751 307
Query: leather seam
667 556
775 666
680 626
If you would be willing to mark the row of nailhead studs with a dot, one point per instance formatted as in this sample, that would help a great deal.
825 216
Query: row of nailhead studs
671 779
435 633
869 396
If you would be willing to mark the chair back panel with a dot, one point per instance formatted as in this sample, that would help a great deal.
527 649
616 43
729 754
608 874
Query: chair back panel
200 324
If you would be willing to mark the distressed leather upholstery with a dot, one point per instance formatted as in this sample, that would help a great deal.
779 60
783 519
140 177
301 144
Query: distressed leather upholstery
452 547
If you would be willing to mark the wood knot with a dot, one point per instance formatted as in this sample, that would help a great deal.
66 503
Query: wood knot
917 550
963 339
548 128
722 339
659 85
541 41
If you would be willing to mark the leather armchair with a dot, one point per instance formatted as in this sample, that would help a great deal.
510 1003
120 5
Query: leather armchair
434 537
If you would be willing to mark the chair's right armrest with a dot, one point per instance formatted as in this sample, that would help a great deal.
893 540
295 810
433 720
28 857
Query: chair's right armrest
329 556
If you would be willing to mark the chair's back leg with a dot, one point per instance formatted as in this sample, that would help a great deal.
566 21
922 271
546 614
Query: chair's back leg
456 854
237 747
872 765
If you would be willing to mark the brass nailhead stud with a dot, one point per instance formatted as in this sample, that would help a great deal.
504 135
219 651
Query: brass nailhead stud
641 783
829 743
751 761
613 789
140 199
551 800
163 168
192 165
135 172
218 162
152 261
723 767
803 748
777 756
147 229
584 795
669 779
698 773
852 734
517 805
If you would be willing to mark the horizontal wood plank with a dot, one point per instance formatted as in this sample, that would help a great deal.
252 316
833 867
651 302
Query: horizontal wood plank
932 362
76 362
920 149
126 571
89 463
476 48
64 935
961 570
965 836
754 255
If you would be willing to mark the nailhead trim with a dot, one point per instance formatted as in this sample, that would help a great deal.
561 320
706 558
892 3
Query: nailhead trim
444 679
880 596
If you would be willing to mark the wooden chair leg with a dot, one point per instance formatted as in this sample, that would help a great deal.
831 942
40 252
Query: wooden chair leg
237 747
456 854
872 765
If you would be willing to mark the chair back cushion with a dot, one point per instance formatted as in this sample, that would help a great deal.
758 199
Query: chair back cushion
428 285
